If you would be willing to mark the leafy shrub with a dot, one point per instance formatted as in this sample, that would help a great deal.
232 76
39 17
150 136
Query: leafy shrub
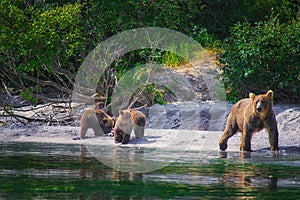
261 57
39 45
43 43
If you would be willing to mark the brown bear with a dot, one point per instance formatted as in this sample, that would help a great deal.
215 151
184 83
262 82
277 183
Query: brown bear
128 120
249 116
98 120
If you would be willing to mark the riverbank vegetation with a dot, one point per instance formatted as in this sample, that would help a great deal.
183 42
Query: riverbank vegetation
43 43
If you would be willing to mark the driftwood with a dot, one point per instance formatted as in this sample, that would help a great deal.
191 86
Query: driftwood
51 113
137 97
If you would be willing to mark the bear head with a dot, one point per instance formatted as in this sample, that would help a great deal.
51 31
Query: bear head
124 121
109 123
262 104
125 115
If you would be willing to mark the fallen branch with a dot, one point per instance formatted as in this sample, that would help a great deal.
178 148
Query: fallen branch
139 107
12 115
49 120
137 97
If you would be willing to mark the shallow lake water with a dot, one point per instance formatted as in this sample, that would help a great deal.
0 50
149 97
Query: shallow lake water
69 171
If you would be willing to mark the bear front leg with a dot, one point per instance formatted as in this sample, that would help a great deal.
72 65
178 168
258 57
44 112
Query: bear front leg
97 130
273 134
118 136
83 131
138 131
223 141
126 138
273 139
246 140
229 132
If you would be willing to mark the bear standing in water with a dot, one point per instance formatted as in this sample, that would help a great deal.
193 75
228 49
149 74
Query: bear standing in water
249 116
128 120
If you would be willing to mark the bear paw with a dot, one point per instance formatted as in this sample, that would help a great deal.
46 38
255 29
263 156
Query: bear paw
223 146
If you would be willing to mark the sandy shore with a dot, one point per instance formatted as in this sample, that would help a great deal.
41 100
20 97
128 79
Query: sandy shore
288 118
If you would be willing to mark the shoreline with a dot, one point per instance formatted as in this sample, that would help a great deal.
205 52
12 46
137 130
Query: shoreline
170 139
288 120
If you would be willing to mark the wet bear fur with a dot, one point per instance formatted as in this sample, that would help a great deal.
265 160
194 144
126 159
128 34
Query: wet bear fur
249 116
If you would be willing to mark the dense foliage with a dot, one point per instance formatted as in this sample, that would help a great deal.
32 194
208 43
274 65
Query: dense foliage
261 57
39 46
43 43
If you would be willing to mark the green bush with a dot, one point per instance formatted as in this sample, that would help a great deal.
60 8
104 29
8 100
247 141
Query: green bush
43 43
39 45
262 57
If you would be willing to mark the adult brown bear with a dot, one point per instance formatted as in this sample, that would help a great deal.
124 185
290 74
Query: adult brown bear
98 120
128 120
249 116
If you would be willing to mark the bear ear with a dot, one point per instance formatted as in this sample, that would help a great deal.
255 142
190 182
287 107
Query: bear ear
270 94
252 96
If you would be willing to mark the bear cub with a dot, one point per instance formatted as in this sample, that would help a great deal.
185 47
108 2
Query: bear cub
128 120
98 120
249 116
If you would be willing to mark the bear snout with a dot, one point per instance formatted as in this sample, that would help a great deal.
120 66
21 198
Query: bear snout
259 107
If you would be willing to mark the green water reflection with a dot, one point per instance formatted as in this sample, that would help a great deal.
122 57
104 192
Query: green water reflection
54 171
